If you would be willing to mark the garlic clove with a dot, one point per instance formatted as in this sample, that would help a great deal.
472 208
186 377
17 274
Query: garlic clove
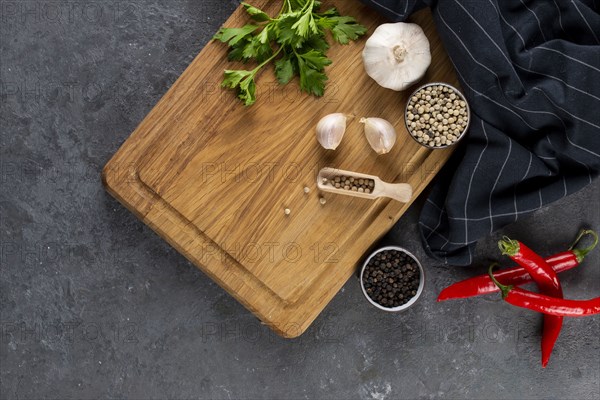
331 129
397 55
380 134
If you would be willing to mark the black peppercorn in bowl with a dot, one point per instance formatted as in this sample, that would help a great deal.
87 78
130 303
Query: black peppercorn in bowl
392 279
437 115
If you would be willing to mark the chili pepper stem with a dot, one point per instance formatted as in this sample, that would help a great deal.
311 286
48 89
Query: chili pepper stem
503 288
582 253
509 247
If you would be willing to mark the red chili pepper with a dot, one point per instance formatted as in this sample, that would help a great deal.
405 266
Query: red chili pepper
546 304
546 279
517 276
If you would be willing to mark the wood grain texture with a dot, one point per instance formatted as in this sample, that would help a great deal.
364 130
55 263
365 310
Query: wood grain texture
213 178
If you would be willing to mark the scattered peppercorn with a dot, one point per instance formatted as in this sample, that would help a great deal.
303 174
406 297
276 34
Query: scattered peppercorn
437 116
391 278
351 183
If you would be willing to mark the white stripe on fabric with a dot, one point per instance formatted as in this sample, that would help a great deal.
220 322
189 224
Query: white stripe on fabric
435 205
566 111
497 180
474 59
586 22
486 34
562 122
541 112
447 241
588 170
507 23
578 162
537 19
569 57
559 17
487 142
553 148
581 148
576 117
439 219
517 185
392 11
510 214
558 79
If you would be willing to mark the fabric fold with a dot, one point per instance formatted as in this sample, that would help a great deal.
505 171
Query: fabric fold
531 73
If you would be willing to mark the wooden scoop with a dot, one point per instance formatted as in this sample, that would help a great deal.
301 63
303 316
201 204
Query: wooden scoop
401 192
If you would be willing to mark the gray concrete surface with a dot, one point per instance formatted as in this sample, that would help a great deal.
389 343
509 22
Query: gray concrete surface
95 305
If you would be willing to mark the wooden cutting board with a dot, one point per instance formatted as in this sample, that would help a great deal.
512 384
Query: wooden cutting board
213 178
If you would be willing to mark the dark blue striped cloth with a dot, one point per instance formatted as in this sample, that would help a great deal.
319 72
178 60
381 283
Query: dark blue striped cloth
531 73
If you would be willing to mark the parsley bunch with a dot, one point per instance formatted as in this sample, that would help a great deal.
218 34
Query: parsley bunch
295 40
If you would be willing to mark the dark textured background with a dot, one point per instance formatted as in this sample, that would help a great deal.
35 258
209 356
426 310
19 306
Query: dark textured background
95 305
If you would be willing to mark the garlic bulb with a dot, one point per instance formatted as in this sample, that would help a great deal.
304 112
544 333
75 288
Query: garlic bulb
330 130
380 134
397 55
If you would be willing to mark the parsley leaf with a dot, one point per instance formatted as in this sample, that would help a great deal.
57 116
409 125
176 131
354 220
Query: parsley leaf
346 29
312 81
332 12
316 42
315 60
305 25
237 52
232 36
247 91
256 13
263 36
258 50
233 78
286 33
284 69
244 82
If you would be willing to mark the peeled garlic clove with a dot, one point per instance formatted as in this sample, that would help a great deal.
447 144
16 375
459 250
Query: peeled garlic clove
380 134
397 55
331 129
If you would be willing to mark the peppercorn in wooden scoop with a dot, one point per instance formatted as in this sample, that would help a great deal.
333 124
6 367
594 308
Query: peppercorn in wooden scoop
355 184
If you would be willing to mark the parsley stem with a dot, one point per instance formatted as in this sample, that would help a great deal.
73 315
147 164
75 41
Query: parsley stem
306 5
260 66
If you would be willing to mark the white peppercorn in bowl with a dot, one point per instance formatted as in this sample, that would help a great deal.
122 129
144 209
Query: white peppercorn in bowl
437 115
417 292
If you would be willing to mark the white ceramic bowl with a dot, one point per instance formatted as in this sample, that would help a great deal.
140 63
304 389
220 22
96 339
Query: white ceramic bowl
412 300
